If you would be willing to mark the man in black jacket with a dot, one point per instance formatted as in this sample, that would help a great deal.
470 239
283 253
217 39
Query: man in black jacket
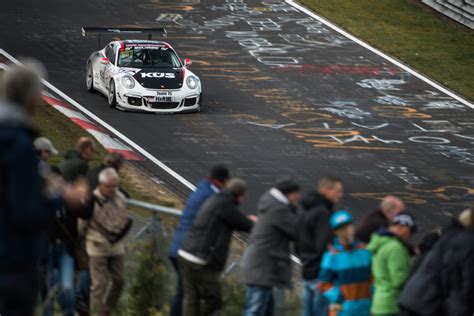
204 251
266 263
314 235
390 206
444 282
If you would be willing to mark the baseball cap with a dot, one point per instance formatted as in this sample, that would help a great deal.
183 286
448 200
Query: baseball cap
339 219
42 143
406 219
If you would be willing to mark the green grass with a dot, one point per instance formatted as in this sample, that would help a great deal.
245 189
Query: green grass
63 134
410 32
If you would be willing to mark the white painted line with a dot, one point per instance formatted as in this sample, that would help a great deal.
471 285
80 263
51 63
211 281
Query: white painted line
108 127
108 142
376 51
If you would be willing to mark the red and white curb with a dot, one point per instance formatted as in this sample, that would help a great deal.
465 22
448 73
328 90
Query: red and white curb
100 134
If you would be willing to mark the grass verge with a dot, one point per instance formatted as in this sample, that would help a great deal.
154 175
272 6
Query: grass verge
411 32
64 134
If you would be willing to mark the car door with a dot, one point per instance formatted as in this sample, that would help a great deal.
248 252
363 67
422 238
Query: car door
107 68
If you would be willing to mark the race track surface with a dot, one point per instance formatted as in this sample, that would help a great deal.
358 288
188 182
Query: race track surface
283 95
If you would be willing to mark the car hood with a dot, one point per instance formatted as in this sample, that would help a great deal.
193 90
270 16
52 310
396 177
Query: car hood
160 78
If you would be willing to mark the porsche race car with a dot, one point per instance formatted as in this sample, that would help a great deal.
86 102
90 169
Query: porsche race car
143 75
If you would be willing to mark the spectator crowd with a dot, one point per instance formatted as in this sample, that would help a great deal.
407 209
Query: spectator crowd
62 233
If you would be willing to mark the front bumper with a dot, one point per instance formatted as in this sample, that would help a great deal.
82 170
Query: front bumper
180 101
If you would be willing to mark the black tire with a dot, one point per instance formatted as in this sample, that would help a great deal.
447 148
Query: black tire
89 77
112 97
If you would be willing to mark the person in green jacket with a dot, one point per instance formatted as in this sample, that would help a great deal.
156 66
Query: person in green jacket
391 263
76 162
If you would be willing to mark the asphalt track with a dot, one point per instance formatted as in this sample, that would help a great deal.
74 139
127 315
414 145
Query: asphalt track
284 95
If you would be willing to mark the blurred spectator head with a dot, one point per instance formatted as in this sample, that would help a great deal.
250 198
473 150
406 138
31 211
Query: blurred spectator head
22 86
428 242
238 187
45 148
114 160
466 219
108 182
391 206
86 147
403 225
219 174
341 223
290 188
331 188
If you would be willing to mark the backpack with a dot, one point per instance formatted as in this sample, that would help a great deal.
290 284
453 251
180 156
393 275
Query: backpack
111 221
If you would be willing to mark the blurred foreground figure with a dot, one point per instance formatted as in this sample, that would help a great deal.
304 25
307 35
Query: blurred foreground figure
314 234
345 278
444 282
74 168
266 262
212 184
205 248
391 263
104 243
28 199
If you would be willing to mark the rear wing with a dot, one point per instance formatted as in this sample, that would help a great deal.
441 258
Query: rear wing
117 31
92 30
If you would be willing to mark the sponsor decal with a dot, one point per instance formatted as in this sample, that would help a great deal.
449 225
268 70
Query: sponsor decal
132 46
168 75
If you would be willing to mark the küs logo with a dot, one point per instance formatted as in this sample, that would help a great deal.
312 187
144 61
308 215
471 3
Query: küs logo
168 75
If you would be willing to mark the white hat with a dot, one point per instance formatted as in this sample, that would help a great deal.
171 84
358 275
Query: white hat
42 143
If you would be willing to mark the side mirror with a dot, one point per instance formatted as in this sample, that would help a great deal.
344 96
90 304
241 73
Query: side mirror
187 62
104 61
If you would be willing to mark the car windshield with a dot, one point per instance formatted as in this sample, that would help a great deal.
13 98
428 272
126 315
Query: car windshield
152 56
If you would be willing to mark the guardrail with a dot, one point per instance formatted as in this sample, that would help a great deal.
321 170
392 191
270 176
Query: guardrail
177 213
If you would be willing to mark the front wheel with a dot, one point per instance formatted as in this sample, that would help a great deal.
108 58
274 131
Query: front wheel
112 98
89 77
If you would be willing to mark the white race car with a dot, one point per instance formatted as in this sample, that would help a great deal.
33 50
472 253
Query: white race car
143 75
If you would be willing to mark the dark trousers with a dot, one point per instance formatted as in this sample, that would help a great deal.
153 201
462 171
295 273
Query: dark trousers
177 302
260 301
82 292
19 292
202 289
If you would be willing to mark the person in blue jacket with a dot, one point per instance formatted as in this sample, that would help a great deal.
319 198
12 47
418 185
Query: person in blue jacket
29 197
215 182
345 279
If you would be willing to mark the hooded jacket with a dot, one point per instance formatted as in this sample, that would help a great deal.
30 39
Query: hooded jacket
314 233
391 263
266 261
25 212
444 282
210 234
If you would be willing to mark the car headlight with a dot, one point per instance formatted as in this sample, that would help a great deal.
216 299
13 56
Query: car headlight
192 82
128 82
